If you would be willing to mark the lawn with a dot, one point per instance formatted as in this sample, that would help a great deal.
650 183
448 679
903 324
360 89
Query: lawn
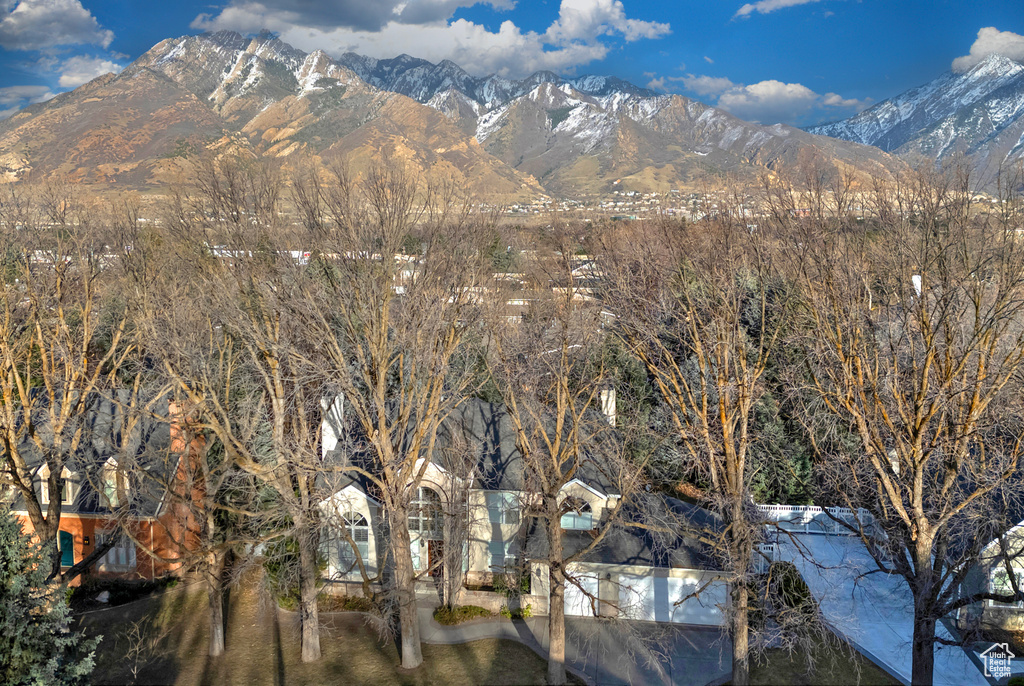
163 640
832 667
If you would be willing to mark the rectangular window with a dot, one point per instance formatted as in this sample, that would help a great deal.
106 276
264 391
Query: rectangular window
1000 583
120 557
578 521
502 508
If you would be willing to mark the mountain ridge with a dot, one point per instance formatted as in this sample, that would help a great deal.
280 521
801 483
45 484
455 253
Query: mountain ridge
978 113
509 138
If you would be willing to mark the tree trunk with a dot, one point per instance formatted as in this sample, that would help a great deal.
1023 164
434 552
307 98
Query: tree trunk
53 546
556 598
740 636
215 594
405 588
309 615
923 650
556 626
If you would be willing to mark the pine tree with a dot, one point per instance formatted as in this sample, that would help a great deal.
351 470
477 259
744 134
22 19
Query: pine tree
37 645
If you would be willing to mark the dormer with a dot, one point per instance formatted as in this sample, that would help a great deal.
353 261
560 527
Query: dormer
113 485
67 489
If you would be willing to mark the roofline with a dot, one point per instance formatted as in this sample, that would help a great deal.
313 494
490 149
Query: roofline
587 486
358 490
90 515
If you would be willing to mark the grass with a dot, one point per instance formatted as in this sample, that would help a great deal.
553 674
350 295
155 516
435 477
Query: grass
831 668
163 640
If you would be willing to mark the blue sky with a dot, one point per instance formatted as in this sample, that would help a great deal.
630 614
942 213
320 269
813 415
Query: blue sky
795 61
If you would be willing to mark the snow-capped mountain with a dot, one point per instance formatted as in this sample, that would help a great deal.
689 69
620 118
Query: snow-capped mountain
576 143
423 81
979 113
493 136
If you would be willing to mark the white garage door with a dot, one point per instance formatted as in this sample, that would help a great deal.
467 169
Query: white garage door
653 599
578 603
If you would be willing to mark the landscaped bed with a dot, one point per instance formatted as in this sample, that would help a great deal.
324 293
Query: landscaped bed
163 640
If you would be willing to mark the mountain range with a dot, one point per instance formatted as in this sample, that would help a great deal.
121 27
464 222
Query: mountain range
498 137
978 113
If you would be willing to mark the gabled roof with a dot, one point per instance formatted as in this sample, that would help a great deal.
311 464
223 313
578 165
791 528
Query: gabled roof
635 545
485 431
147 450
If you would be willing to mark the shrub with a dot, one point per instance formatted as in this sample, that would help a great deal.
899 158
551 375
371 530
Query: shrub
449 616
522 613
511 583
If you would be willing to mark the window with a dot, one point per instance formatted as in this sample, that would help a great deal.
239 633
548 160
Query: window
579 516
999 582
359 530
66 495
425 514
113 485
502 508
121 556
499 554
415 555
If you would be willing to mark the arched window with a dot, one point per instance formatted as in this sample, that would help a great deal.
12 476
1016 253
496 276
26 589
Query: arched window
578 515
359 530
425 514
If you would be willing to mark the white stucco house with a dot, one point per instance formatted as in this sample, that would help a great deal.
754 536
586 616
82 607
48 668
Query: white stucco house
477 475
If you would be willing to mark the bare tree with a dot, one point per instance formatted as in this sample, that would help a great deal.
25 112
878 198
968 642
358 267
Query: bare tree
62 342
915 348
549 367
221 324
704 308
390 327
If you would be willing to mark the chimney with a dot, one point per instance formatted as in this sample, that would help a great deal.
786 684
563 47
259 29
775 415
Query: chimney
608 404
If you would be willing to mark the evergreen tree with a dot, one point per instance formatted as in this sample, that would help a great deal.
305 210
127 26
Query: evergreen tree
37 645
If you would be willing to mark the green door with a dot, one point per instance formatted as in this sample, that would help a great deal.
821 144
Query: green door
67 549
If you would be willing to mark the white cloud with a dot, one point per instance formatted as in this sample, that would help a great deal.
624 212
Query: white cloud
769 101
708 60
82 69
991 41
11 95
40 24
13 98
585 20
836 100
573 39
707 85
766 6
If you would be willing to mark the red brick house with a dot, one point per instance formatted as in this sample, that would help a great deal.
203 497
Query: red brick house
131 481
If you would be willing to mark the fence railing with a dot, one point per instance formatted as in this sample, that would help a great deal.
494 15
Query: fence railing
810 519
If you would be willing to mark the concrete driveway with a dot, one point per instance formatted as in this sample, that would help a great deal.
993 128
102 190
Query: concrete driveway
606 652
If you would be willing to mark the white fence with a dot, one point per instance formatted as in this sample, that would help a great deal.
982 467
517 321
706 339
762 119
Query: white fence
764 556
809 519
